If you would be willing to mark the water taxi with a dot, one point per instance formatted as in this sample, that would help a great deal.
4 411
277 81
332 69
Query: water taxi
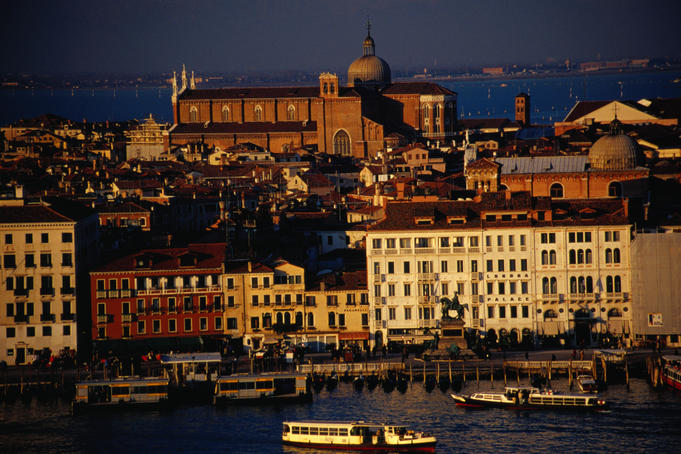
276 387
356 436
529 398
671 374
587 384
119 392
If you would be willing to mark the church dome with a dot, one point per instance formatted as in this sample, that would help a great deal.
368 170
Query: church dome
369 69
614 151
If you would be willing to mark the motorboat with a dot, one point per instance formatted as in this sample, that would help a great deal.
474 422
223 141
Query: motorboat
529 398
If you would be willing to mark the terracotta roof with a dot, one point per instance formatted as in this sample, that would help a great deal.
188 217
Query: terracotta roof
242 268
352 280
209 255
316 180
124 207
244 128
422 88
251 92
583 108
483 163
30 213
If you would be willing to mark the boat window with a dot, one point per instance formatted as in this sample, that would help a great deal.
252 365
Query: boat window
150 389
229 386
120 390
314 431
333 431
304 430
295 430
355 431
246 385
343 432
287 429
264 384
323 431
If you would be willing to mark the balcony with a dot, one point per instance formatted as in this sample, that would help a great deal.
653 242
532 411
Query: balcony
47 317
21 318
428 323
126 293
126 318
104 318
427 276
67 290
458 249
425 250
47 291
68 317
20 292
112 294
101 294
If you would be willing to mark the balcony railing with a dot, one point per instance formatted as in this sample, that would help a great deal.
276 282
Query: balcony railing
21 318
47 291
104 318
67 290
47 317
126 318
20 292
68 317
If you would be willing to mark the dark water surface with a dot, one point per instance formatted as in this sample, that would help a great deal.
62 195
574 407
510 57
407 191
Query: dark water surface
641 420
551 97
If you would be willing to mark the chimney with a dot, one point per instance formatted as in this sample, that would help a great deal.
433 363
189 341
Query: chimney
322 286
250 266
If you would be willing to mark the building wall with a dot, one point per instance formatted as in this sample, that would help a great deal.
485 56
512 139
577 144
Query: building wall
40 317
656 288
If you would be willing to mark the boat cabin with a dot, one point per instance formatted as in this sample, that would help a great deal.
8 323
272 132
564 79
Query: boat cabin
124 390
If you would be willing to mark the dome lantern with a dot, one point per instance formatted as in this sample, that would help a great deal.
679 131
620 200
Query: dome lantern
369 70
614 151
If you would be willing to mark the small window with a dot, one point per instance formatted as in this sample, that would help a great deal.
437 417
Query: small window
67 237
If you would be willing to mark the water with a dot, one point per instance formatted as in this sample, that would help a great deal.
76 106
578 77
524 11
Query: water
641 420
551 97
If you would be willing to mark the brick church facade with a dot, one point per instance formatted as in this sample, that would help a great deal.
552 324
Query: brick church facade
358 120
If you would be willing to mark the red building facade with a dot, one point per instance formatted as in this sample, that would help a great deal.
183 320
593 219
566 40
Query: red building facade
159 293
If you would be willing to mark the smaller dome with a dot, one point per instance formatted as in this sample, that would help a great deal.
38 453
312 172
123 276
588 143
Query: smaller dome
614 151
368 70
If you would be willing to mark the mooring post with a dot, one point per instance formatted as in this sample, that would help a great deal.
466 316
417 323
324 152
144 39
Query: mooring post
463 371
626 371
424 371
504 366
450 371
491 374
437 378
517 375
477 376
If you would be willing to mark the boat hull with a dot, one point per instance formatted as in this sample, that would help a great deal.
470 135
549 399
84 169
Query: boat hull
416 447
669 381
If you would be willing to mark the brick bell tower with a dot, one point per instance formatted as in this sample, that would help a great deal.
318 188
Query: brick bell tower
522 109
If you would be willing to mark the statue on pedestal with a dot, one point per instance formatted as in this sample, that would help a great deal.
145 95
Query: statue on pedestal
449 305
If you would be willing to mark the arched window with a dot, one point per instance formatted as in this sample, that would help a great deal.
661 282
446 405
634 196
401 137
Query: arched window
279 318
257 113
573 258
287 318
225 113
291 113
545 286
332 319
552 257
580 256
608 255
554 285
436 112
615 189
608 284
589 256
267 320
193 114
573 284
582 285
326 88
618 284
589 284
556 191
425 113
310 319
341 143
299 319
544 257
614 312
550 314
616 255
331 88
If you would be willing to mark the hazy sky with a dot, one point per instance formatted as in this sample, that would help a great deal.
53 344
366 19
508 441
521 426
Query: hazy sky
143 36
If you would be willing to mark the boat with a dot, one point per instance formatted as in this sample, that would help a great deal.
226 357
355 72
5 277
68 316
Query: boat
356 436
587 384
671 373
529 398
261 388
121 392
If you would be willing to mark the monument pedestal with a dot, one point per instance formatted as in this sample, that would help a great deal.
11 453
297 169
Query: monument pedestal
452 334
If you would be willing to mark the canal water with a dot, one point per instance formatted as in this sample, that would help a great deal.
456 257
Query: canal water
640 420
551 97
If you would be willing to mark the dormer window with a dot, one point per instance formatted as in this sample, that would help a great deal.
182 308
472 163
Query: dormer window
424 221
451 220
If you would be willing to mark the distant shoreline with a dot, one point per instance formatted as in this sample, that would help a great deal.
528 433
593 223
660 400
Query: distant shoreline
68 84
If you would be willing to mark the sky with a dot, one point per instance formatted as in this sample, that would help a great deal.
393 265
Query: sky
232 36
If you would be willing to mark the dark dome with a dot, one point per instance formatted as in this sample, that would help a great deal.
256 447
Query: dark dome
614 151
369 69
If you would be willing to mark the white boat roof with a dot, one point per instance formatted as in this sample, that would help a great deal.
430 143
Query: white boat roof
175 358
342 423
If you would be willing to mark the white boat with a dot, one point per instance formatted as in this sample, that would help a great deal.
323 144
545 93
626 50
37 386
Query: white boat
121 392
529 398
671 374
262 388
587 384
356 436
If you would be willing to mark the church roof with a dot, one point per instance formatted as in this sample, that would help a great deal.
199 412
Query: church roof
421 88
543 164
251 92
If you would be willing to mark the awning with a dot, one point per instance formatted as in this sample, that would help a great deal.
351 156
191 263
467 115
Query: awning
359 335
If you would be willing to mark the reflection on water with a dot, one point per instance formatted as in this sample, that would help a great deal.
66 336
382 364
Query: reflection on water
640 420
